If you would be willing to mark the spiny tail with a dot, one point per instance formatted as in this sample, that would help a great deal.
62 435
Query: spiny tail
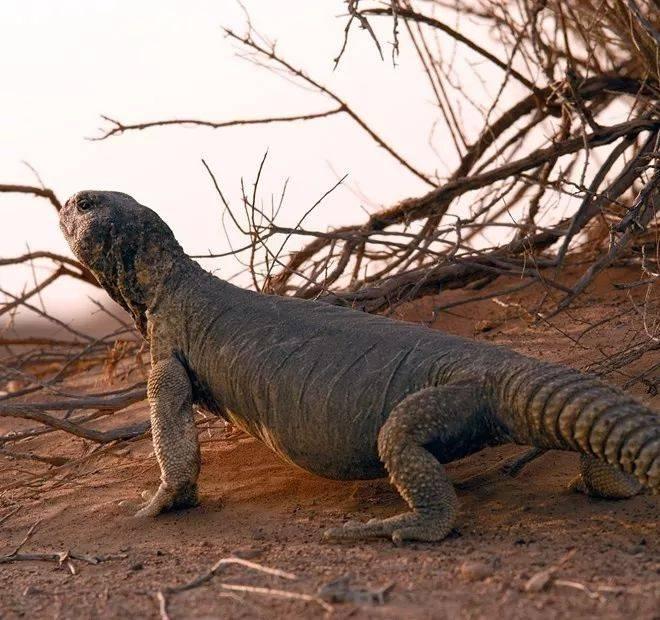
553 406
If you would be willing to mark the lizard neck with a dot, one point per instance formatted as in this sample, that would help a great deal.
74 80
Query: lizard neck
144 277
159 286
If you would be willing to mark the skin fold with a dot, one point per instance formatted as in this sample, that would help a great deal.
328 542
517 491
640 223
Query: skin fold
342 393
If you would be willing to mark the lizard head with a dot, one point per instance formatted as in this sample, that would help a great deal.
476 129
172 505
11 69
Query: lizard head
127 246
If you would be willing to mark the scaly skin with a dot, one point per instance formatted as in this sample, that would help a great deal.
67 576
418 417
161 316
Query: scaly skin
342 393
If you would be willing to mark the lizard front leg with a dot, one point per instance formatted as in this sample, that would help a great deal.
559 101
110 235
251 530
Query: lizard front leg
174 437
445 412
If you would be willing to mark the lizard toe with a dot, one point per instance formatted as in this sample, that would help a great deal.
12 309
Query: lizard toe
354 530
424 532
129 506
577 485
150 510
147 495
406 526
167 498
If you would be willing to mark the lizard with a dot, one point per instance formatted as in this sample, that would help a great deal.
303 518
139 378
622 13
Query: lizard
338 392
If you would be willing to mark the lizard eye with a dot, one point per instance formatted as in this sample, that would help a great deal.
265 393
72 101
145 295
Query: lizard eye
84 204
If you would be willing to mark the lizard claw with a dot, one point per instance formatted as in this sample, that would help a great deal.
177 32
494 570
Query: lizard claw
577 485
400 528
164 499
153 507
354 530
134 506
128 505
147 495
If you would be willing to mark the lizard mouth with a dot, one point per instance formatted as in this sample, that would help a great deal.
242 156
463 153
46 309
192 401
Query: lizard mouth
67 231
67 216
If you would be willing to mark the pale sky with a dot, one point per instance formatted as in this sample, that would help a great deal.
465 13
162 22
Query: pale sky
65 63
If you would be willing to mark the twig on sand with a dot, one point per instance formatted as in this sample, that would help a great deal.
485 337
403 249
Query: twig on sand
161 595
220 564
547 578
162 605
10 514
55 556
308 598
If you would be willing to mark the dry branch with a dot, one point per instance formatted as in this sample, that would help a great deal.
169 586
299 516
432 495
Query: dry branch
353 264
562 170
118 127
110 402
42 192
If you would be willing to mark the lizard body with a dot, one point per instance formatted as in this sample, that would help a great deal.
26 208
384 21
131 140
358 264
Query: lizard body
338 392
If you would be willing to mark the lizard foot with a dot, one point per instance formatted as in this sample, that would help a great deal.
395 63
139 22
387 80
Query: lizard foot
400 528
164 499
617 487
598 479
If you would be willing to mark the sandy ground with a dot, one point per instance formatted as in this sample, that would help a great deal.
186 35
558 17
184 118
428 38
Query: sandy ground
603 554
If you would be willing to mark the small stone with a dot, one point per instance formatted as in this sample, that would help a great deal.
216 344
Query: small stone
13 386
31 591
247 553
483 326
137 566
475 571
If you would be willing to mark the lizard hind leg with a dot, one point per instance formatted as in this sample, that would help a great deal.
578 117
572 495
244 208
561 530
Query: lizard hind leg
599 479
438 413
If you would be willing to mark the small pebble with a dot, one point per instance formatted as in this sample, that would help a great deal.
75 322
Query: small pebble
31 591
13 386
483 326
247 553
475 571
